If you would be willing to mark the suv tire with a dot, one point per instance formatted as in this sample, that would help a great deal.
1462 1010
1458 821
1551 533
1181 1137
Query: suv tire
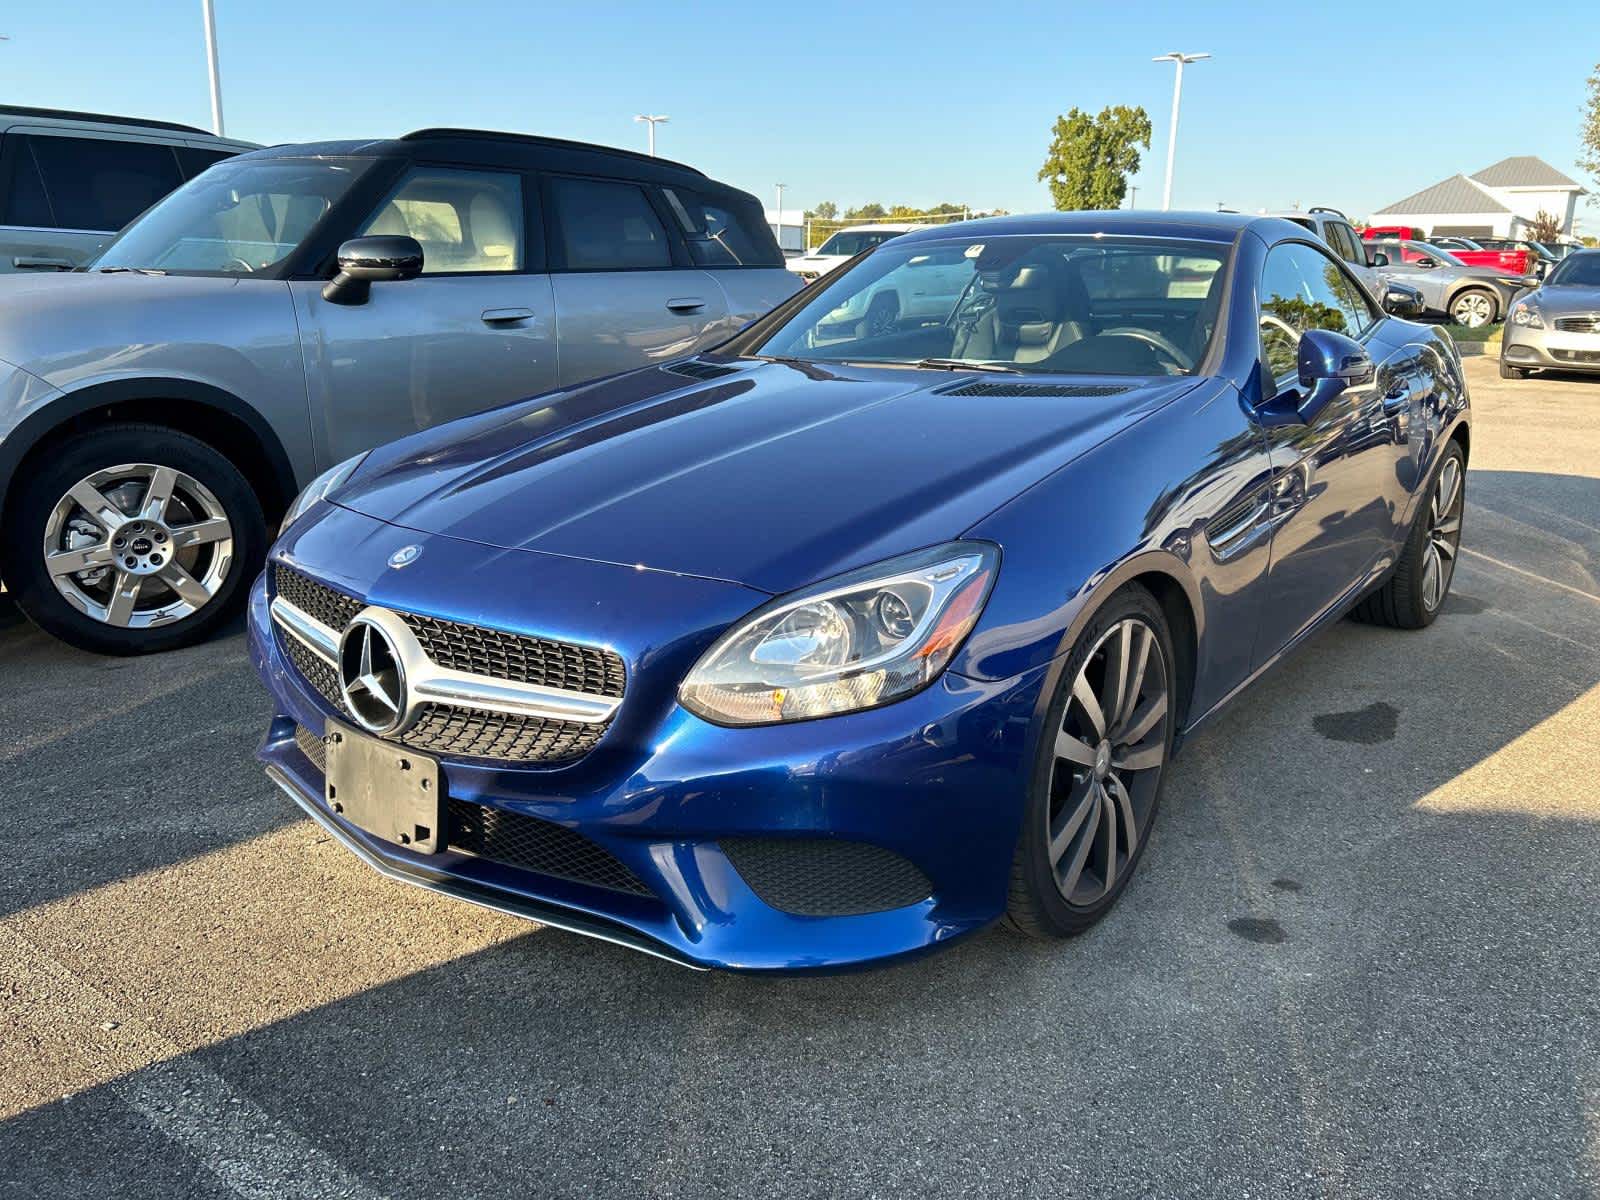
168 559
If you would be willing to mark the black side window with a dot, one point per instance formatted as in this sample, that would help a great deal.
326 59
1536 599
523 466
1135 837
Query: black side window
724 232
608 226
98 183
195 160
25 201
1345 245
1301 289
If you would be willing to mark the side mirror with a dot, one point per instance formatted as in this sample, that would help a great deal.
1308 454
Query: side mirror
364 261
1328 364
1426 263
1402 301
1379 258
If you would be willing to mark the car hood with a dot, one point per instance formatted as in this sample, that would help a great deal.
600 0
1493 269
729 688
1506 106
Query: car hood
1561 299
772 475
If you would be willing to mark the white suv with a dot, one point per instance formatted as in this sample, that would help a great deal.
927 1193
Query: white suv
842 247
69 181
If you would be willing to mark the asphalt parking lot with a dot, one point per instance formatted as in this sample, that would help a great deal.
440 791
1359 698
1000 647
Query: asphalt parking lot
1362 957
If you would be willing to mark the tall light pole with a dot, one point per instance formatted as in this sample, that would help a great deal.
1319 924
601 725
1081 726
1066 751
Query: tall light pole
1177 98
652 121
781 186
211 62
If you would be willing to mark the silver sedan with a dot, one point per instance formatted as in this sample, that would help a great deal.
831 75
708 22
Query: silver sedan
1467 295
1559 324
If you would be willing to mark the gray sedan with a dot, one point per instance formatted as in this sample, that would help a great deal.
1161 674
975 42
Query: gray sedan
1467 295
1558 325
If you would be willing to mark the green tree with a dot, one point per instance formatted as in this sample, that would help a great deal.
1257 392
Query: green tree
1091 158
1589 134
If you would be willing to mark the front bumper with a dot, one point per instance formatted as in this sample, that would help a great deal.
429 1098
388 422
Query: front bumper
938 779
1550 348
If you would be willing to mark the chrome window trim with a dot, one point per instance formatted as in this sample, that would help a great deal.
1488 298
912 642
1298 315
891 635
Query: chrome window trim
429 683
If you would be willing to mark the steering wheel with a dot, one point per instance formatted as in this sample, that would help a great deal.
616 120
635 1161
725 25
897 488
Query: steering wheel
1156 342
248 269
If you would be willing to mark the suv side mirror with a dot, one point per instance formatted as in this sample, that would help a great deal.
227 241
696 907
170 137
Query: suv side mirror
1402 301
1377 258
364 261
1328 364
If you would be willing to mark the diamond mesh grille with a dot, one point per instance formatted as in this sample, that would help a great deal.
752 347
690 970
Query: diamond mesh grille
821 877
523 841
442 729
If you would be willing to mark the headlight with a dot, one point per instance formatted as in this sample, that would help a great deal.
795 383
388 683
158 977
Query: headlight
854 642
318 488
1525 314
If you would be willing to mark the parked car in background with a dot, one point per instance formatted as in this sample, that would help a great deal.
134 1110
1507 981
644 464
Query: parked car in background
1403 232
1336 230
842 247
294 306
1558 324
1453 244
1467 295
816 651
1513 262
69 180
1538 258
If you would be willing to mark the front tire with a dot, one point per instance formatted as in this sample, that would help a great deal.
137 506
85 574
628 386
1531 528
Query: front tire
1416 589
1102 762
1507 371
132 539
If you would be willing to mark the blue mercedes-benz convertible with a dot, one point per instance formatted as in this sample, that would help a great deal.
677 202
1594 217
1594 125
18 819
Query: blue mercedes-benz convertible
883 620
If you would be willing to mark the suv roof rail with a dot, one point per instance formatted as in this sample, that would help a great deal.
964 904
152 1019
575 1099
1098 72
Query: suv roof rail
67 114
533 139
1323 208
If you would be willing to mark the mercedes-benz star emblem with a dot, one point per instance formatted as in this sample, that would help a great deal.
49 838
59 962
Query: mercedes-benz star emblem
404 556
371 677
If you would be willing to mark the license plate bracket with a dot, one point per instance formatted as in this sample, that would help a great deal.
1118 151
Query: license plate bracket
386 789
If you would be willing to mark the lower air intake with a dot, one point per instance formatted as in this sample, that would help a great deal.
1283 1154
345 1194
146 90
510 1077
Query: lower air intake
822 877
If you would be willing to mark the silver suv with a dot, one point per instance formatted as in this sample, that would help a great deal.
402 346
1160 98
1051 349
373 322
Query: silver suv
293 307
1334 228
70 180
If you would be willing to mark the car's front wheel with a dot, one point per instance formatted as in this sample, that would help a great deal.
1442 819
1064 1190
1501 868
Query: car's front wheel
1507 371
1474 308
1102 761
131 539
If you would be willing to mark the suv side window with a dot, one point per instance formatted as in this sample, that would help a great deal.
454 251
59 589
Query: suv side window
101 184
25 203
1343 240
194 160
721 234
466 222
1301 289
608 226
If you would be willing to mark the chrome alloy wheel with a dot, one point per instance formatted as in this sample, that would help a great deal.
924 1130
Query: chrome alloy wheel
1108 757
1444 534
138 545
1473 310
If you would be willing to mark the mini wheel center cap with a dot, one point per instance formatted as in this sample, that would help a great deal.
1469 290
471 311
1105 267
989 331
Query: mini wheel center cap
1102 760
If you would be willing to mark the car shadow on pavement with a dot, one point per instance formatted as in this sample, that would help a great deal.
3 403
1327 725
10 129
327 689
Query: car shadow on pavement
1359 959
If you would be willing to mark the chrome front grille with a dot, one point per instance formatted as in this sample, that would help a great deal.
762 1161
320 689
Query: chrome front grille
472 661
1588 324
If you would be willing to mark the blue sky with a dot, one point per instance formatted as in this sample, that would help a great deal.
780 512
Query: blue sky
1302 103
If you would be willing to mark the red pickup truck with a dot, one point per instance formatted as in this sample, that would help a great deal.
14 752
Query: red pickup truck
1513 262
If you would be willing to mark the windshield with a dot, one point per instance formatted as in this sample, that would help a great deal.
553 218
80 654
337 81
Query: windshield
851 243
1576 270
1037 304
237 218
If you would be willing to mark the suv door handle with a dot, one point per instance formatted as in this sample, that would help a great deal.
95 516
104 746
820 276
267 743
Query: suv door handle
23 262
686 304
504 316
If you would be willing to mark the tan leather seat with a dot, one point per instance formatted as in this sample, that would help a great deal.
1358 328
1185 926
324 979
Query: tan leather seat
1040 307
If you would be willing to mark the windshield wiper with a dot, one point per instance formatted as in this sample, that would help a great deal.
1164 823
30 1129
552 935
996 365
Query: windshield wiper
131 270
962 364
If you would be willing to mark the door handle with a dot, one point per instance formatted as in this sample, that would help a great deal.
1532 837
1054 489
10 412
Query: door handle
24 262
686 304
505 316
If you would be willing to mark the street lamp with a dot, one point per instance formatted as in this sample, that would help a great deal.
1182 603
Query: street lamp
211 63
1177 97
652 121
781 186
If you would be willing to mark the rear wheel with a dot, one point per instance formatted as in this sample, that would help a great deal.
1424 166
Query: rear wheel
1102 763
131 539
1473 308
1417 587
